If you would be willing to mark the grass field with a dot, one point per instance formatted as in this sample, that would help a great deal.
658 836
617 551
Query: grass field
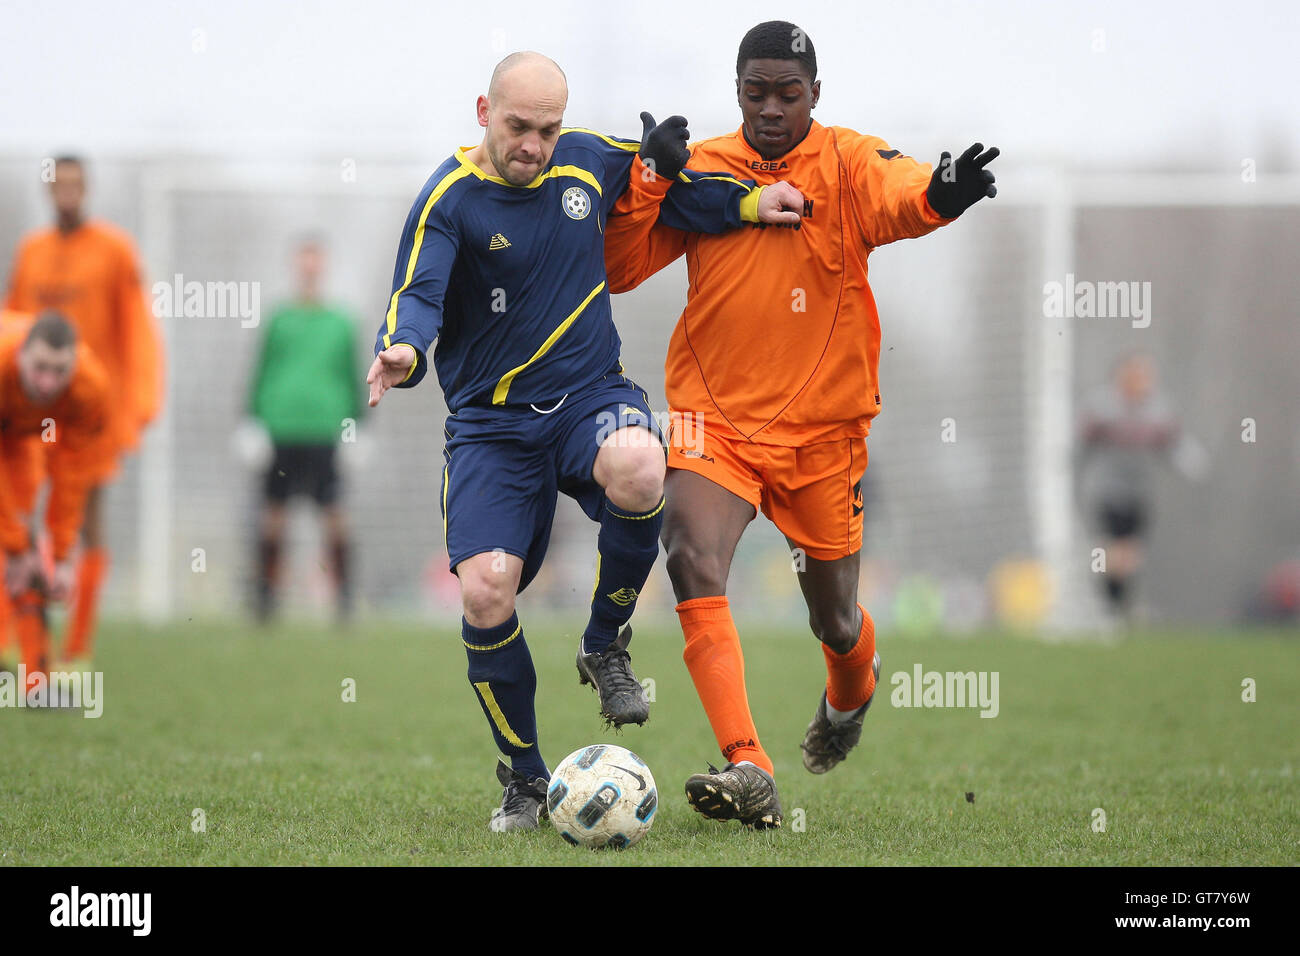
252 729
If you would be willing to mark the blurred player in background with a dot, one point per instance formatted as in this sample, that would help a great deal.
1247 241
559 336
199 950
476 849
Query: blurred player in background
55 409
88 270
305 391
1124 428
9 322
772 386
501 262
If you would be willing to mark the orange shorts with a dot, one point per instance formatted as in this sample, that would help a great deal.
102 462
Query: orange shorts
812 493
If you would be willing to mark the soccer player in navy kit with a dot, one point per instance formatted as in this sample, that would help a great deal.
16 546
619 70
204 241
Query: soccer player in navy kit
502 262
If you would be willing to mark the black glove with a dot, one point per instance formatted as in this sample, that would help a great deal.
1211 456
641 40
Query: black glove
955 187
663 147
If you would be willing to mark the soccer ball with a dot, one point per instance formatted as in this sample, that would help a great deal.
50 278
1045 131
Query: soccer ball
602 796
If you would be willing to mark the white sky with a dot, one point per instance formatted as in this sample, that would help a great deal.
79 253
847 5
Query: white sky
1200 84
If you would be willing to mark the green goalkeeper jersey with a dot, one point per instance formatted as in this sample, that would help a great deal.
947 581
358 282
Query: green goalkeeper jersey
308 377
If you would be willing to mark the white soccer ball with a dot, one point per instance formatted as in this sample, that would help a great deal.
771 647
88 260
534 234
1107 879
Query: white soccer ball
602 796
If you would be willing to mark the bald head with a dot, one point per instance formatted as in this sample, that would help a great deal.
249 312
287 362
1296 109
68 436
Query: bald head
522 113
527 74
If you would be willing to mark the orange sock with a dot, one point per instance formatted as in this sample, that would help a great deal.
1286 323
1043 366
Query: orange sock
850 680
90 577
717 667
33 640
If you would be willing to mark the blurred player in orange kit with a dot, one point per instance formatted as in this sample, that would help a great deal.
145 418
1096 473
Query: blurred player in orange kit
772 385
9 322
88 270
55 409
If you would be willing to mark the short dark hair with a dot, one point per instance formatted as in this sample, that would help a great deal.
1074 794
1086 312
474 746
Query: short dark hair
53 329
777 40
70 159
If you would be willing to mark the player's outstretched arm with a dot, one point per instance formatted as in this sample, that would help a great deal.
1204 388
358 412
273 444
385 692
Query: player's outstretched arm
718 202
698 201
955 187
899 198
639 241
390 368
649 224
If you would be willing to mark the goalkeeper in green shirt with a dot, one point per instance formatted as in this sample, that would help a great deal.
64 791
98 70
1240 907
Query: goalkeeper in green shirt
306 393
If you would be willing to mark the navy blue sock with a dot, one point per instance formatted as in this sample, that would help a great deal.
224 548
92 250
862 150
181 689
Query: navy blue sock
501 673
626 547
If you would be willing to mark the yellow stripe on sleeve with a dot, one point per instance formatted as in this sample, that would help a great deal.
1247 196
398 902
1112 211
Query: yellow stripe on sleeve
443 185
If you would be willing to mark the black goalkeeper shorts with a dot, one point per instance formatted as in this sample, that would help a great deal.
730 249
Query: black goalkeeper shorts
1127 520
303 470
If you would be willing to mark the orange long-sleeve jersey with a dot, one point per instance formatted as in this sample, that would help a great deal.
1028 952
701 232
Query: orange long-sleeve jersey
92 276
67 440
780 339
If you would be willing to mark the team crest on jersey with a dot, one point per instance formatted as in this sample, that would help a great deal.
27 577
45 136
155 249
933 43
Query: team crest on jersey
576 202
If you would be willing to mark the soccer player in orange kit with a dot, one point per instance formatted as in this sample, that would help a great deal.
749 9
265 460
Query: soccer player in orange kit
772 385
9 321
55 407
88 270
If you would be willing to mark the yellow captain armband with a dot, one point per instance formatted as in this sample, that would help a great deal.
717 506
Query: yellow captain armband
749 205
415 361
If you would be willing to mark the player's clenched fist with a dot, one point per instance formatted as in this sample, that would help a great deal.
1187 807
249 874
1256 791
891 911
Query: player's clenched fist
780 203
390 367
955 187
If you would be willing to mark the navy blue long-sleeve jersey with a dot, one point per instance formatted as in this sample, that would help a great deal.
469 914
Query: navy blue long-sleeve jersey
510 280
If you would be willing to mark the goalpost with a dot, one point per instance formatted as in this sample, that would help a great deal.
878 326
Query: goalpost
219 222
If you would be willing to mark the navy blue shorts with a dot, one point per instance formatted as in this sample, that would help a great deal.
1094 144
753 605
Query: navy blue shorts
505 466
